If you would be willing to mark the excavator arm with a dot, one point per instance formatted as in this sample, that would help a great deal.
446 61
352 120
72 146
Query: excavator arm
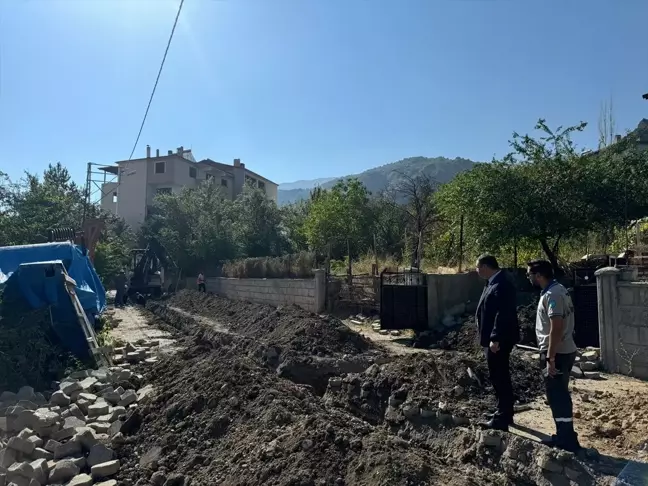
87 237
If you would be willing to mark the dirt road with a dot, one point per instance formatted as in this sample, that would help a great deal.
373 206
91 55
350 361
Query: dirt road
132 324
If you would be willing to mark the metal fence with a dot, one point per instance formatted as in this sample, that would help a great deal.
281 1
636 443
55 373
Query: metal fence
354 292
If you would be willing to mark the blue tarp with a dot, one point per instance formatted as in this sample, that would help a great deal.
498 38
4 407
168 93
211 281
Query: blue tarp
89 289
43 284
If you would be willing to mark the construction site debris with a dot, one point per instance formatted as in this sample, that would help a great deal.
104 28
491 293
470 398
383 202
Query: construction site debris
68 438
225 413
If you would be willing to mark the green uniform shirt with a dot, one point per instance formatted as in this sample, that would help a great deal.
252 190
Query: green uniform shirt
555 302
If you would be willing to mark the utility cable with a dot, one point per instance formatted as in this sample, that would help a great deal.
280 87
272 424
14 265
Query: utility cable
157 79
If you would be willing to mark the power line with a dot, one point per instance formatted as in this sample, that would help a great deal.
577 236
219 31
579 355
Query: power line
157 79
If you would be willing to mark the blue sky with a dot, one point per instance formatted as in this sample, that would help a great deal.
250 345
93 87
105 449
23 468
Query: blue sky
300 89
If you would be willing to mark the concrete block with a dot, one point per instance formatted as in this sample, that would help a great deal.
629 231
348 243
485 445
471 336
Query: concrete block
105 470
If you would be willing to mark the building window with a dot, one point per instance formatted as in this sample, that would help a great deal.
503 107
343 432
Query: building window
250 180
224 182
208 176
262 186
192 172
163 190
160 167
114 198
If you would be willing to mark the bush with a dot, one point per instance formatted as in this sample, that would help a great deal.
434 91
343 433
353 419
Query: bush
300 265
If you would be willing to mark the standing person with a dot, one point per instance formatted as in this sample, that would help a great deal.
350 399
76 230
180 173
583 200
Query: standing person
201 283
554 331
497 324
120 288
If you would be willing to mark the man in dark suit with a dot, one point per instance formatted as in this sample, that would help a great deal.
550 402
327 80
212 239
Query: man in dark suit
498 328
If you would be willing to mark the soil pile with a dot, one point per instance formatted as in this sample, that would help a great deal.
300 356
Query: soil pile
452 387
219 418
30 351
527 319
288 327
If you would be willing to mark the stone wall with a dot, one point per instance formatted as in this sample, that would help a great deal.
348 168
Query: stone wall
623 321
310 294
451 296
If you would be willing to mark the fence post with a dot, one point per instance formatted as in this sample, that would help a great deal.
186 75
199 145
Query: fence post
608 302
320 290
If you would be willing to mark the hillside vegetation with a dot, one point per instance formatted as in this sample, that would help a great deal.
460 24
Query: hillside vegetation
386 176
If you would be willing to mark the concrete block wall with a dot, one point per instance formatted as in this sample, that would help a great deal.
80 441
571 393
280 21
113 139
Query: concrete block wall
309 294
450 296
623 322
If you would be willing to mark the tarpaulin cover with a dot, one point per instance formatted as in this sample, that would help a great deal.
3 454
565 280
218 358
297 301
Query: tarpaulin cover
43 284
89 289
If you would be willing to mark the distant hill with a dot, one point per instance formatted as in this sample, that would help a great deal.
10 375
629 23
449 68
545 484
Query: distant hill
310 184
383 177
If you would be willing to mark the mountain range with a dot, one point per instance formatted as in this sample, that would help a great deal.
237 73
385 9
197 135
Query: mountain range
381 178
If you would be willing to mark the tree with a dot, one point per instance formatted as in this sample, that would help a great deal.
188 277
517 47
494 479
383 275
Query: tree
35 205
418 209
606 124
113 251
340 217
257 225
389 225
293 220
195 226
541 191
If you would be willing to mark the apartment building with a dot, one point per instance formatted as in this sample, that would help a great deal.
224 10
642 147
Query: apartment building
140 180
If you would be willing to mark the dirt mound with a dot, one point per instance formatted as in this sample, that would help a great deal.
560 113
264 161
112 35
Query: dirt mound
31 353
219 418
449 387
527 319
288 327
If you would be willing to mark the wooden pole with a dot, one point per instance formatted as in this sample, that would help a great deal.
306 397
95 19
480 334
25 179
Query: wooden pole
461 241
515 252
375 255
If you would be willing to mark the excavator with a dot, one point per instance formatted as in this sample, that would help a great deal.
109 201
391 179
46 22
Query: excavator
148 267
87 238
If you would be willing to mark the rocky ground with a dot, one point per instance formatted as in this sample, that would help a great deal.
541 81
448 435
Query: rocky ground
253 395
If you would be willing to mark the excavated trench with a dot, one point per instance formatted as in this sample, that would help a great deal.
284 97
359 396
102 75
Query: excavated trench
345 411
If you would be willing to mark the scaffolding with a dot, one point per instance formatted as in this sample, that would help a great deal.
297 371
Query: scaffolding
97 176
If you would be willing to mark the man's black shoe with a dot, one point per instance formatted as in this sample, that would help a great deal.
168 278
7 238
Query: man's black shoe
496 417
495 424
566 445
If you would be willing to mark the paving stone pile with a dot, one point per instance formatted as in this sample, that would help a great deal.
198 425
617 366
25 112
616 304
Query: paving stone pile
67 436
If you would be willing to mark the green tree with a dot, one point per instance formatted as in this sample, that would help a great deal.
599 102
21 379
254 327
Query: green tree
257 225
35 205
540 192
340 217
195 226
293 221
113 250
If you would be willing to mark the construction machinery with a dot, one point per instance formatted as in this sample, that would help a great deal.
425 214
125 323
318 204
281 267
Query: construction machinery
148 267
86 239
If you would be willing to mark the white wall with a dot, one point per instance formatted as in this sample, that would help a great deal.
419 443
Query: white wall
106 201
131 193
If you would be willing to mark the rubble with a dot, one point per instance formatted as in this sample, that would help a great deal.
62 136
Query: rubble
66 439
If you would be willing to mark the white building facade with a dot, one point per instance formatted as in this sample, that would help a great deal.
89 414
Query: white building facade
140 180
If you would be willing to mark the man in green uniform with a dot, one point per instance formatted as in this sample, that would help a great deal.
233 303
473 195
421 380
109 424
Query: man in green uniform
554 331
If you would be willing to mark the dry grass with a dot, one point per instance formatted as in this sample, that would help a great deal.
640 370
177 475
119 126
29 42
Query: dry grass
300 265
364 265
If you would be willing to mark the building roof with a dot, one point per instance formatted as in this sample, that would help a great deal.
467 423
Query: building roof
228 168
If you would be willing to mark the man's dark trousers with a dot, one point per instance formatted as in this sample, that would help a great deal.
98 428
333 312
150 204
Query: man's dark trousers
500 376
559 398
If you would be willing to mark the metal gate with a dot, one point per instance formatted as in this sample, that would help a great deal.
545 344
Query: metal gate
585 297
403 300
